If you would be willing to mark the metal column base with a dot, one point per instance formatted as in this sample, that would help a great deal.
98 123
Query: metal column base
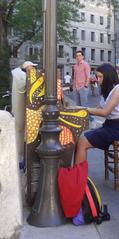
47 209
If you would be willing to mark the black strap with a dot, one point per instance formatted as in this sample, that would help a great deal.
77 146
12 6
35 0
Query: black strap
103 215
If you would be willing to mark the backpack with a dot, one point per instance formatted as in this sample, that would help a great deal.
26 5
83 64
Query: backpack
92 208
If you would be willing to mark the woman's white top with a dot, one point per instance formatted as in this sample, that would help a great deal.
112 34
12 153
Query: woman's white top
115 112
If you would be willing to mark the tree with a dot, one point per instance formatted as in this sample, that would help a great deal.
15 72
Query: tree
25 17
110 3
5 13
27 20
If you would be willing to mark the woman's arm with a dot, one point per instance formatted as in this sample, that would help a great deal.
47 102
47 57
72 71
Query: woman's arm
108 107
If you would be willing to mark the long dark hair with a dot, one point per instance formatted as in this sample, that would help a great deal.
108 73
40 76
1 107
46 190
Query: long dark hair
110 78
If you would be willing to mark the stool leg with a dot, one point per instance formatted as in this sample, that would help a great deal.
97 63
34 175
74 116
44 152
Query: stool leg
116 171
106 164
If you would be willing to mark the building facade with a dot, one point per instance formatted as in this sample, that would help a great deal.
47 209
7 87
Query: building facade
94 35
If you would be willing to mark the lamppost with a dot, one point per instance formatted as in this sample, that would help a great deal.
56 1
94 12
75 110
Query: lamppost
44 31
47 210
115 35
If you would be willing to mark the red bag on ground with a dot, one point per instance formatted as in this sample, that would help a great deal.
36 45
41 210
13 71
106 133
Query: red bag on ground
72 184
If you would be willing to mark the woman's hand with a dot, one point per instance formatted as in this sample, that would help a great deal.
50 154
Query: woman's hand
91 110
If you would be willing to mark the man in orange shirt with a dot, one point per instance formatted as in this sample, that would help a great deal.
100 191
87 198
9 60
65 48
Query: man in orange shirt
81 80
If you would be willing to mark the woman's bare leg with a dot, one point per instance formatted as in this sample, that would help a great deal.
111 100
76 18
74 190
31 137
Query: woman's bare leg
81 151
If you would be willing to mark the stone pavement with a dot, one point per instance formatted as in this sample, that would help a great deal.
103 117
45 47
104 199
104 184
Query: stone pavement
107 230
92 100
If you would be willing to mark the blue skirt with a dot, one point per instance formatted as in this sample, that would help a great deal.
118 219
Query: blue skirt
104 136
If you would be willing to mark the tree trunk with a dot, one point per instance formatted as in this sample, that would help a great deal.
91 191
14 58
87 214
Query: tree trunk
5 73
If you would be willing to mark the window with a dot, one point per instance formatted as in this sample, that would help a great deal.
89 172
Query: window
61 51
82 35
74 32
92 54
93 36
83 16
109 39
109 55
10 49
101 20
30 51
102 55
101 38
92 0
36 51
108 22
13 31
92 18
84 51
14 52
74 52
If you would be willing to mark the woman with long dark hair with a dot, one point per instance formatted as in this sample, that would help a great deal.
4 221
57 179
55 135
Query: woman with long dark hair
102 137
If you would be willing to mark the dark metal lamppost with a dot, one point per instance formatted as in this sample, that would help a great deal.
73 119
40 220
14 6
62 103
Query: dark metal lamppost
44 32
47 210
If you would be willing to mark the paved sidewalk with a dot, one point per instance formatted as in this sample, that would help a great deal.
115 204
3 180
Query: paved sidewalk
92 100
107 230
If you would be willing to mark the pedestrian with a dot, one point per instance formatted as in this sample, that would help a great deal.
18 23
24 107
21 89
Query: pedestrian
81 80
19 105
67 79
103 136
93 83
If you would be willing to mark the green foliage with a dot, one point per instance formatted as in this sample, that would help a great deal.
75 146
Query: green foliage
4 102
5 75
28 16
113 3
27 19
67 13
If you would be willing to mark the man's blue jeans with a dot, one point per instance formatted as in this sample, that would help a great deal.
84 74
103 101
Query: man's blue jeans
81 96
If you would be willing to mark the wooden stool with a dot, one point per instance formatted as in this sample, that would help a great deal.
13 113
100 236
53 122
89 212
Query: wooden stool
111 162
